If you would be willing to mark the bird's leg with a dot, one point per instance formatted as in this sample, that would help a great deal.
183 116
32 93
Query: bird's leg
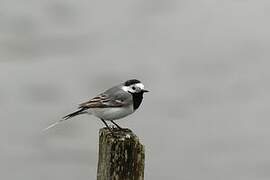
116 125
107 126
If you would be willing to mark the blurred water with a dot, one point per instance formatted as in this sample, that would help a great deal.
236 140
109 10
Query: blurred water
205 62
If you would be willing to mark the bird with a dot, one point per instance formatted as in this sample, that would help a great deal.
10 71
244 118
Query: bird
115 103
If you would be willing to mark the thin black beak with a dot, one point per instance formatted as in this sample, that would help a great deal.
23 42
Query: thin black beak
145 91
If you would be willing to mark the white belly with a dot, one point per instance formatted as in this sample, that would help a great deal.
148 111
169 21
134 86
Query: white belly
111 113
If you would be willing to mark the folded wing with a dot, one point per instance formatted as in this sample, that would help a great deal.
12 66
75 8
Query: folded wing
102 101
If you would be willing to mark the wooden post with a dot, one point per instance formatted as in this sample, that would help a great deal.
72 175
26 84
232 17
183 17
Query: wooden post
121 157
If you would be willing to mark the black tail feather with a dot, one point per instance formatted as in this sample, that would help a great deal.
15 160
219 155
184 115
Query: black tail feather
80 111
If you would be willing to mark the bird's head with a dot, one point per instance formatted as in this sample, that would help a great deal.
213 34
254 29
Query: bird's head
134 86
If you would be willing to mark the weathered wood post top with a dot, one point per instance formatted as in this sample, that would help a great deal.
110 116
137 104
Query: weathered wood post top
121 156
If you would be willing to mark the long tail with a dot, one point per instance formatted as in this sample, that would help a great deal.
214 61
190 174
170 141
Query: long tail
80 111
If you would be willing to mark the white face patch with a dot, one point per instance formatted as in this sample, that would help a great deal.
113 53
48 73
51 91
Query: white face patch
140 85
125 88
133 88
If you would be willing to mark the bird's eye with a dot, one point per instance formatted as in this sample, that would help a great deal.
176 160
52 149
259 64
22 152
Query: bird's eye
133 88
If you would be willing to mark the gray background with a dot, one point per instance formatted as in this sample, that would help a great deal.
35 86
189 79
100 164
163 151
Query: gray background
205 62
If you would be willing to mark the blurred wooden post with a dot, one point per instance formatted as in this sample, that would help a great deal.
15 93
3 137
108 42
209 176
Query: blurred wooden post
120 157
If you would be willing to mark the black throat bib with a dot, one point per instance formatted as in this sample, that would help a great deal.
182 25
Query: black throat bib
137 99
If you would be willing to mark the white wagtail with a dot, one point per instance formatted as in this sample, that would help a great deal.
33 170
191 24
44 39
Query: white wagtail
115 103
